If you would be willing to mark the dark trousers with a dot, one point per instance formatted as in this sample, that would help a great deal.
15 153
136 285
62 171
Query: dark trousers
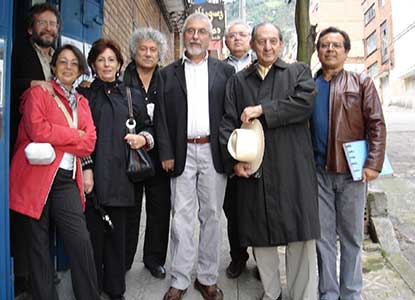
65 209
109 248
19 247
230 208
157 190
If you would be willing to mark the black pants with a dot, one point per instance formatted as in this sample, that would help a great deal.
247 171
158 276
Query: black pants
109 248
230 208
157 190
64 208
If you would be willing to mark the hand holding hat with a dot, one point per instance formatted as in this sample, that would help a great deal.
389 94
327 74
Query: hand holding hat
247 144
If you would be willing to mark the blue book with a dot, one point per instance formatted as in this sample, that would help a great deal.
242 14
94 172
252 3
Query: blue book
356 153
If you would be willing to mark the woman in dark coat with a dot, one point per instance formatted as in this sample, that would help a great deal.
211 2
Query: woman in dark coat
105 174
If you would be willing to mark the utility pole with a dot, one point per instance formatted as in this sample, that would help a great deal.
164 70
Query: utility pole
242 10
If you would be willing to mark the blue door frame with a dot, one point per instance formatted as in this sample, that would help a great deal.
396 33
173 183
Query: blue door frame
6 277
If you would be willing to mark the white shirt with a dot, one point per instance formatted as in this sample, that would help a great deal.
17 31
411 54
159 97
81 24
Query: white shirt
197 86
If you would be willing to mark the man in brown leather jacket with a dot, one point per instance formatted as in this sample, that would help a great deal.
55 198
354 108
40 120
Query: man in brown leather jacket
347 108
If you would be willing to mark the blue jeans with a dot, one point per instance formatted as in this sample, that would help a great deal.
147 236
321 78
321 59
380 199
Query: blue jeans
341 207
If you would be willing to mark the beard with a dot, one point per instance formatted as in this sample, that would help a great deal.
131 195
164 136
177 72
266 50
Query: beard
195 49
43 42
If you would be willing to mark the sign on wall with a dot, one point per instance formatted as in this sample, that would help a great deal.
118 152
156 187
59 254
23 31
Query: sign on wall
216 14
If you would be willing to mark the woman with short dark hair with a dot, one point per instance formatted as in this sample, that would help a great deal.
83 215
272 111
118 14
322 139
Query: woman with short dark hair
105 175
51 189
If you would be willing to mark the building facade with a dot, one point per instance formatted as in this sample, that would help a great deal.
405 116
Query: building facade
378 41
403 73
325 13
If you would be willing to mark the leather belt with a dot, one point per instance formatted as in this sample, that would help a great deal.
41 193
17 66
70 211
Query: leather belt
199 140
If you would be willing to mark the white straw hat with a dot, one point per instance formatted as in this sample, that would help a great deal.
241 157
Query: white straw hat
247 144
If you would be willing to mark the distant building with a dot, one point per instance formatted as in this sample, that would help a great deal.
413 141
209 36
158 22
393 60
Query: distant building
403 73
346 15
379 46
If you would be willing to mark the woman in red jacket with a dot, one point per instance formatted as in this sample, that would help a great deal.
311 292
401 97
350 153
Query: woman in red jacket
53 191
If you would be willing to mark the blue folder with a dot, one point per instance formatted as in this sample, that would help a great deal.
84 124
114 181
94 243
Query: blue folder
356 153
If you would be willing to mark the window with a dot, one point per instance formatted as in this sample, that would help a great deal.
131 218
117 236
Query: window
373 70
371 43
384 42
370 14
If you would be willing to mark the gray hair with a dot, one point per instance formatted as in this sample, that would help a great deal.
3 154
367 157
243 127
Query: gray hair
254 30
201 17
148 33
237 22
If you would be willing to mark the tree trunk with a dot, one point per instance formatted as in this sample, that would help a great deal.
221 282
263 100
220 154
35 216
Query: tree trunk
306 33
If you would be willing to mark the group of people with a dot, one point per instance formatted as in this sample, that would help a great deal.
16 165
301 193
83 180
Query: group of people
302 196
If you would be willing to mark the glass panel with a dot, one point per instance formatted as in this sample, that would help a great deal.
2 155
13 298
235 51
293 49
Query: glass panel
2 70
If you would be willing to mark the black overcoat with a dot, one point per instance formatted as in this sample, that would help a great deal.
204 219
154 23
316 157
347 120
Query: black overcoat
281 205
108 103
26 67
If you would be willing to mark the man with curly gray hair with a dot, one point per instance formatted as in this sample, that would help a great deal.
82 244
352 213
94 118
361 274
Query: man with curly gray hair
148 47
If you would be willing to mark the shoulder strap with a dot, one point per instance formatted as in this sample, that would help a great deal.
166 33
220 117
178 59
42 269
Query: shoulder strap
130 103
64 110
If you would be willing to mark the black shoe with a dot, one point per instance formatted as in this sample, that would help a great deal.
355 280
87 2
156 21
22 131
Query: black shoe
119 297
157 271
235 268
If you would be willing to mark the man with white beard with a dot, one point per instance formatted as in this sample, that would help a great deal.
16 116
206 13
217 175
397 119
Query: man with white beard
187 120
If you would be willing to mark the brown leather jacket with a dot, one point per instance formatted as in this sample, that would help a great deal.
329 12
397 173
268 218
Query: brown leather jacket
355 113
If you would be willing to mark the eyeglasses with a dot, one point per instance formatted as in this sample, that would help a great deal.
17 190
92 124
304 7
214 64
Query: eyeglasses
45 23
69 64
326 46
233 35
193 31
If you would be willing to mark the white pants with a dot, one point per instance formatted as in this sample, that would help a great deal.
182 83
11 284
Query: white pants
301 266
197 194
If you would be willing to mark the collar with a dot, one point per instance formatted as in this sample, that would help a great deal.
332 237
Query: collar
39 49
247 55
185 58
279 63
67 92
320 72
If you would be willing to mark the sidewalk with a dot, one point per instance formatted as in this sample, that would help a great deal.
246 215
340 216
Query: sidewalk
381 282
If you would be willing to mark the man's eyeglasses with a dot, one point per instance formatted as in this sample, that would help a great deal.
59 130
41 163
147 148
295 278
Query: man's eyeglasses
192 31
233 35
326 46
45 23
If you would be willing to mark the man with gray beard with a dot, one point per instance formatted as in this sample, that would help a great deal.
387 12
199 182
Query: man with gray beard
187 121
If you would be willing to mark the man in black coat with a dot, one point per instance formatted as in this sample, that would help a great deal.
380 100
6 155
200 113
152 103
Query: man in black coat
30 67
278 204
187 127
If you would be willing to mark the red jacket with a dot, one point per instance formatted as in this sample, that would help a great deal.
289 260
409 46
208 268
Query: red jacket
43 121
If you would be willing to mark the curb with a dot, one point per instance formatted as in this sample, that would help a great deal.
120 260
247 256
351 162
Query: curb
381 231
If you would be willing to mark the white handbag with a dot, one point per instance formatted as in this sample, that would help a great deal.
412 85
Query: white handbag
40 153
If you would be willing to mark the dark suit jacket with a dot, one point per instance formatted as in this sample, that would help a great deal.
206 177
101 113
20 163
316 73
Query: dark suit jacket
26 67
171 112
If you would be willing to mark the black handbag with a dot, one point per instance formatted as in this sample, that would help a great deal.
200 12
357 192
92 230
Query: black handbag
139 164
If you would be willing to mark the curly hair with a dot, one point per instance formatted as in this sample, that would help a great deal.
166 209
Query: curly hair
148 33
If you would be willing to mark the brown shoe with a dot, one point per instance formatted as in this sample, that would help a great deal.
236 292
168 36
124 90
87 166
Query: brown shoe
174 294
209 292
